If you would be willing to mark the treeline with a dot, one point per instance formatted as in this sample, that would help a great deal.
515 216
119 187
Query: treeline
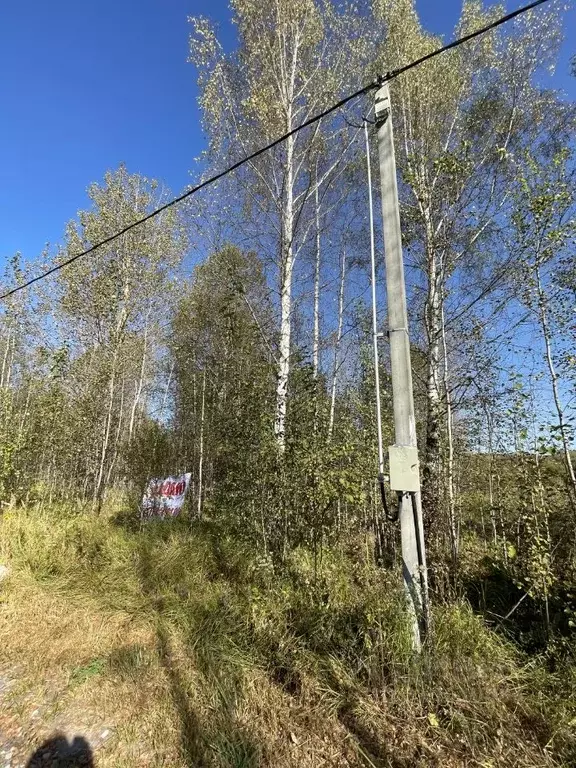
231 337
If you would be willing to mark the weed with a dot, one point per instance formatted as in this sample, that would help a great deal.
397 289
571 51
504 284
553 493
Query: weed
94 668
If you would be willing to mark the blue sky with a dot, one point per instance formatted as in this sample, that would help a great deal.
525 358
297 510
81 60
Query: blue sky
85 86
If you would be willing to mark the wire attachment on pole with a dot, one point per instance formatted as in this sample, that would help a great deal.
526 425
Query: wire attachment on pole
391 516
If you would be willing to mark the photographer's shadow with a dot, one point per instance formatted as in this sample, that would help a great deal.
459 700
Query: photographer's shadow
58 752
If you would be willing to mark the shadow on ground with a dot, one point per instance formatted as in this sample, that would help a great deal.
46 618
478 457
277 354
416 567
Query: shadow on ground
216 740
58 752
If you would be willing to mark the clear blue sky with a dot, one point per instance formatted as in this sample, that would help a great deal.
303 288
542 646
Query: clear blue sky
86 86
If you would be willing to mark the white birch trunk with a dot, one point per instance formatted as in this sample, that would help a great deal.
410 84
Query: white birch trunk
139 385
117 436
431 489
287 270
201 447
450 447
337 346
547 336
316 336
98 488
5 360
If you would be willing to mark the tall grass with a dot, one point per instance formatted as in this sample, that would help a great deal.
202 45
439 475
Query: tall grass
307 665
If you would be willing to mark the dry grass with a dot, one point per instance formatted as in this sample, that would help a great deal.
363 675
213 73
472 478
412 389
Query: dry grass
83 671
171 648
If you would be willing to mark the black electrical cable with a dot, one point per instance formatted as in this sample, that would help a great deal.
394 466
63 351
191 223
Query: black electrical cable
419 551
417 530
314 119
391 516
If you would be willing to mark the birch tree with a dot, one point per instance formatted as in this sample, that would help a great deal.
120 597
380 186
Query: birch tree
461 120
105 309
544 228
294 58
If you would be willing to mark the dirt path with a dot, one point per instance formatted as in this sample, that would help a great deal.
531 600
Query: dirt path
31 716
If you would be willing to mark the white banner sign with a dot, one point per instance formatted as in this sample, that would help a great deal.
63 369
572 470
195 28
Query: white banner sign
165 497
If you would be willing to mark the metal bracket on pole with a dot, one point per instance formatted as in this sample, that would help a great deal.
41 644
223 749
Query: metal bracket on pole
382 106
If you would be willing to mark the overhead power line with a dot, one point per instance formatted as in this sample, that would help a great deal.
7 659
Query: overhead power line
248 158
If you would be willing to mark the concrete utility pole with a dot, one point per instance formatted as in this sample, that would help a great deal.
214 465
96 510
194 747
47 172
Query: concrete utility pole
404 469
375 334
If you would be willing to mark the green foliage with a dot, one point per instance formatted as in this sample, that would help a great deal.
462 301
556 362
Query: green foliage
94 668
